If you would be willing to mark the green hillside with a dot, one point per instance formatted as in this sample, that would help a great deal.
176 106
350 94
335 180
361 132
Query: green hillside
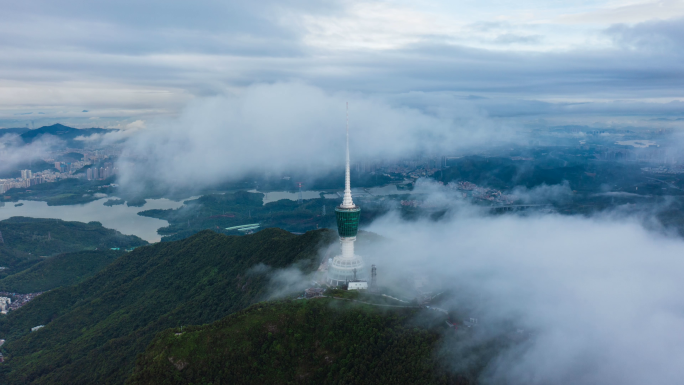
320 341
68 191
61 270
14 261
46 237
68 134
27 240
95 329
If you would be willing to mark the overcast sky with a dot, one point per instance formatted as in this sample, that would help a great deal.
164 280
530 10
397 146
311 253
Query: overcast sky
128 60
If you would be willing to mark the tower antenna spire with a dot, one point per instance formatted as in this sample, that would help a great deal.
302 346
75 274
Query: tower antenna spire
347 200
348 264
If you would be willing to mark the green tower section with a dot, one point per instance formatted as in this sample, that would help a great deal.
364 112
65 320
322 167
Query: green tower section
347 221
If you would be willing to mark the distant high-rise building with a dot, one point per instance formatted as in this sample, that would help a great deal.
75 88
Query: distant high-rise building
89 174
36 180
4 304
58 166
93 173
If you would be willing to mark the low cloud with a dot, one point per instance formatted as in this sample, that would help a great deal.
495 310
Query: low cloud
656 35
286 126
599 297
15 153
283 282
115 136
544 193
511 38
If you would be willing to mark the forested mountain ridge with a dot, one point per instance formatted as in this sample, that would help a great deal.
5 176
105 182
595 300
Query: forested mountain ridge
26 240
318 341
60 270
63 132
95 329
46 237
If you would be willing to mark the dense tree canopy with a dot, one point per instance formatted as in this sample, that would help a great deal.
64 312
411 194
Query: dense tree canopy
103 322
60 270
319 341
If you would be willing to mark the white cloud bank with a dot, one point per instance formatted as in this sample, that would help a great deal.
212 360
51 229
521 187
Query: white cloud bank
602 296
15 153
286 126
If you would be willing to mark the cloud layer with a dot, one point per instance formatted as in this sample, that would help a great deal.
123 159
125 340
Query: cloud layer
291 126
601 296
124 61
15 153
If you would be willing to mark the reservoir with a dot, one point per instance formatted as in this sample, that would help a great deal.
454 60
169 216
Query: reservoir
120 217
126 219
274 196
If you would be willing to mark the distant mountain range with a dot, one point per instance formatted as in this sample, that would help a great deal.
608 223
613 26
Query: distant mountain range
62 132
59 130
16 130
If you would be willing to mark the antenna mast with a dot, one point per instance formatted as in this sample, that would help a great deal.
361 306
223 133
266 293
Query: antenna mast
347 201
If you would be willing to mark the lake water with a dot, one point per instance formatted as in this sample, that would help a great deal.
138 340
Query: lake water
637 143
390 189
293 196
126 219
120 217
273 196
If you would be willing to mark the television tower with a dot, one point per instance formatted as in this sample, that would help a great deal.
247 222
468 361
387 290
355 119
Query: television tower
300 200
347 266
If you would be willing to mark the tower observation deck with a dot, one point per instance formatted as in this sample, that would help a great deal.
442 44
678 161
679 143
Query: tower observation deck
347 266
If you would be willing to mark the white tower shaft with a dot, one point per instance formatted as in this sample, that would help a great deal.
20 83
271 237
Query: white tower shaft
347 202
347 248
